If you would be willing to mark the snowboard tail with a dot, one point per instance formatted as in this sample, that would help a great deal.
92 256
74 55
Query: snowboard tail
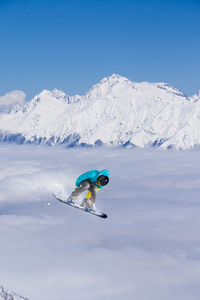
95 213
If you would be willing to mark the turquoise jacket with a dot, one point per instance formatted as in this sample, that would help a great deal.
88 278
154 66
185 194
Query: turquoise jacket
92 176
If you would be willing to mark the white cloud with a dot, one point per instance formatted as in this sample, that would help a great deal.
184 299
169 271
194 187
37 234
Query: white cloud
11 99
148 248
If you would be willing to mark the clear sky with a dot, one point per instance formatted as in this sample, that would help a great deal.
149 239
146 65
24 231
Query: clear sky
72 44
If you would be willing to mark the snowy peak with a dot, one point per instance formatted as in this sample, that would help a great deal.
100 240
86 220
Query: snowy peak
171 89
161 91
114 80
55 94
196 97
109 85
116 111
49 98
48 95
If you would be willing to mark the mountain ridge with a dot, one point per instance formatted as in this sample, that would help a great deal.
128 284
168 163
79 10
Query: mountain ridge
114 112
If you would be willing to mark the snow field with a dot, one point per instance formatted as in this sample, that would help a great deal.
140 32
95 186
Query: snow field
148 248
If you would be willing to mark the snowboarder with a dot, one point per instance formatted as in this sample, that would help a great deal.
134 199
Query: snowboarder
92 181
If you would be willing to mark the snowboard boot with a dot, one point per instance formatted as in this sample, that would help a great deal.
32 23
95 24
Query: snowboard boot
70 201
89 205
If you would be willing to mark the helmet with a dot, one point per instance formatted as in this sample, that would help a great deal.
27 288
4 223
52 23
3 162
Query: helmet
102 180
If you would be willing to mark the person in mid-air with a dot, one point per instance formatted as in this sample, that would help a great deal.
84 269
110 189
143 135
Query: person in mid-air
92 181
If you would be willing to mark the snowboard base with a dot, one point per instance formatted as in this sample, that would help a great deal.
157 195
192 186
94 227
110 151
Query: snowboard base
95 213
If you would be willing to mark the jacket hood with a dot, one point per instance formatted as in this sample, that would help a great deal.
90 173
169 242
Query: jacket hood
104 172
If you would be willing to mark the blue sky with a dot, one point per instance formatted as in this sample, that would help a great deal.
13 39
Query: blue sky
71 45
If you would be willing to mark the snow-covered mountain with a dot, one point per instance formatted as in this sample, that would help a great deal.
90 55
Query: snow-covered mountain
6 295
116 111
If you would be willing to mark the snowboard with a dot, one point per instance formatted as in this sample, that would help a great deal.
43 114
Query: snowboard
95 213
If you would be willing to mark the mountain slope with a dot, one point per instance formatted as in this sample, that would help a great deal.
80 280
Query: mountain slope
115 112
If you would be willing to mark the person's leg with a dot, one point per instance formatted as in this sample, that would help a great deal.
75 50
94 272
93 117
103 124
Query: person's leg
85 185
91 196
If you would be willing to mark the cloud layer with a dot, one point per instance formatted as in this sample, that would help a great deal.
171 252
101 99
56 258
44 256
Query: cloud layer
148 248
